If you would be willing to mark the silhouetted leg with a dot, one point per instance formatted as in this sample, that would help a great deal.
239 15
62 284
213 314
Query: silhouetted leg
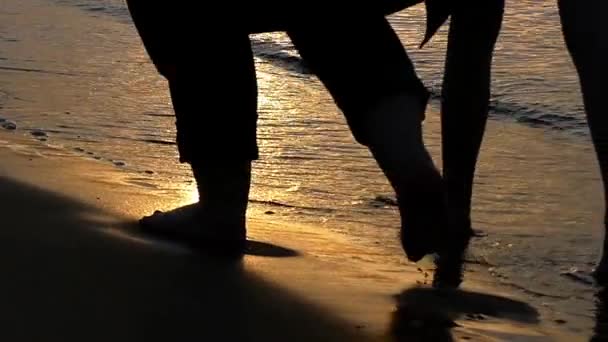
600 330
155 23
214 95
586 36
364 66
464 112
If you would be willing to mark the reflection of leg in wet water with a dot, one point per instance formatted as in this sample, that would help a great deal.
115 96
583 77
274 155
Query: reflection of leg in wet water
464 112
586 36
366 69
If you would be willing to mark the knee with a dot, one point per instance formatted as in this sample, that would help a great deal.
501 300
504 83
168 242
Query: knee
400 113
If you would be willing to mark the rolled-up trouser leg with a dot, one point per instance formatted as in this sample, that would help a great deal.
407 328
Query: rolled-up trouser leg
214 96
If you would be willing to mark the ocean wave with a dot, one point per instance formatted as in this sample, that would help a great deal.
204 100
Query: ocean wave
550 117
115 8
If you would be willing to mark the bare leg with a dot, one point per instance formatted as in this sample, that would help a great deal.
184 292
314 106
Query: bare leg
586 36
464 112
394 137
363 64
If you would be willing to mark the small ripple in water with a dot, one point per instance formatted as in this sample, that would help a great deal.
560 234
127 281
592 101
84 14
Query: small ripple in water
578 276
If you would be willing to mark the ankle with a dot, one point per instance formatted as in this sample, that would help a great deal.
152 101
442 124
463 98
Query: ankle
223 189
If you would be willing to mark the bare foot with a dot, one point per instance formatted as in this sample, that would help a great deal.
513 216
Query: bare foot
193 225
423 216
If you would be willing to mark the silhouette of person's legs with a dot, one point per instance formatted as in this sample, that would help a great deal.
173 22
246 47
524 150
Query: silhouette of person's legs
464 112
214 95
364 66
586 37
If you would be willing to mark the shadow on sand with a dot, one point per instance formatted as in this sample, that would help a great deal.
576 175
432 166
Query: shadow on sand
426 314
131 230
64 281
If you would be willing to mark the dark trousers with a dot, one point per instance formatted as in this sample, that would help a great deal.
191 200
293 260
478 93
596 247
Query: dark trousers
356 55
214 91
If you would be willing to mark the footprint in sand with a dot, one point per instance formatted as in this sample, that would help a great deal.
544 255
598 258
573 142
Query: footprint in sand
9 125
39 134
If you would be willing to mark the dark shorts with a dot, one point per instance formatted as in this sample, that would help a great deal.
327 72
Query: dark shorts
357 56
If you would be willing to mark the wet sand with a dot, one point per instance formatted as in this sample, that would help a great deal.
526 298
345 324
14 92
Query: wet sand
75 268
